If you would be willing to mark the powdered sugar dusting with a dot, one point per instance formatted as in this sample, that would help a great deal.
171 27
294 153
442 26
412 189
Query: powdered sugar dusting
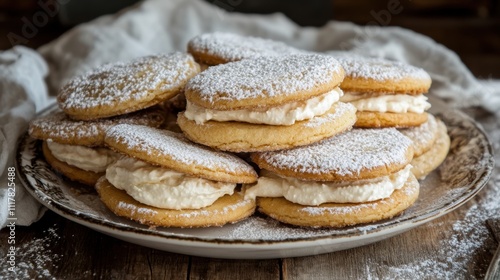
344 154
58 126
175 146
122 82
233 47
379 69
223 211
134 209
263 77
422 135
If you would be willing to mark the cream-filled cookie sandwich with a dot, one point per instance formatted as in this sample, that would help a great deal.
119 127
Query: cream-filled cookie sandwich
163 179
267 103
361 176
124 87
211 49
431 144
76 148
385 93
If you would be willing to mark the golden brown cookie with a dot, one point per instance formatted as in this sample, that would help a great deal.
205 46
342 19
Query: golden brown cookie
60 128
185 184
385 93
430 160
358 154
266 103
247 137
174 151
356 177
72 172
340 214
264 82
218 48
120 88
422 136
227 209
365 119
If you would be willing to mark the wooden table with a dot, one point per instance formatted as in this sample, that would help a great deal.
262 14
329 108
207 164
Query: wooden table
455 246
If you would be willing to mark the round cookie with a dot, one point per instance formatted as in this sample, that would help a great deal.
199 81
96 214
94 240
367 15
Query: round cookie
358 154
60 128
340 214
227 209
388 119
264 82
234 136
359 176
218 48
376 75
385 93
422 136
174 151
72 172
267 103
430 160
120 88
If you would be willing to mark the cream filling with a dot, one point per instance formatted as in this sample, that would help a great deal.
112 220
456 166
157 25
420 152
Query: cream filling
286 114
314 193
396 103
164 188
89 159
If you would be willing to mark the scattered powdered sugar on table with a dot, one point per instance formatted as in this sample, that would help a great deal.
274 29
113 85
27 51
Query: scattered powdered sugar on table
263 77
344 154
34 259
357 66
233 47
467 237
122 82
175 146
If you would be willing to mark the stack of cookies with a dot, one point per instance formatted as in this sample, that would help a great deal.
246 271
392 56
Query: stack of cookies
307 139
112 94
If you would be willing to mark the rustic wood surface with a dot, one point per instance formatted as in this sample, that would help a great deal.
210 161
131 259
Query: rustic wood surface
56 248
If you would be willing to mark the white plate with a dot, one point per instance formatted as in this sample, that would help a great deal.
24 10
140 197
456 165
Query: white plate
465 171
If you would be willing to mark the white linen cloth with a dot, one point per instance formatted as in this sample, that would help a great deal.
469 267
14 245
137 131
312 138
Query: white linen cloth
162 26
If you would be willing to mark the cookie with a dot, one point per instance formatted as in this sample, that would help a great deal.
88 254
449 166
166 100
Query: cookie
164 170
227 209
60 128
356 177
339 215
245 106
70 171
385 93
211 49
431 159
124 87
247 137
358 154
422 136
75 148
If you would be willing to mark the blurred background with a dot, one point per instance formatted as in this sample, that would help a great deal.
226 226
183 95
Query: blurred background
471 28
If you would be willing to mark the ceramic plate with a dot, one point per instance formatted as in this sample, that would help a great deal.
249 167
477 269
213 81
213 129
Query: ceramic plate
464 172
